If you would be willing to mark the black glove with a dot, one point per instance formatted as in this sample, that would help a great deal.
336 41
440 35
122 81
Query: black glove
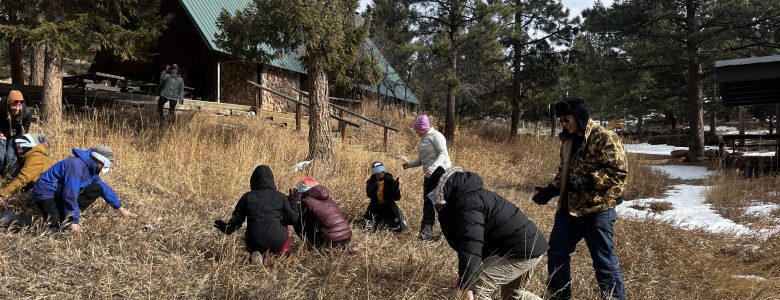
581 184
220 225
544 194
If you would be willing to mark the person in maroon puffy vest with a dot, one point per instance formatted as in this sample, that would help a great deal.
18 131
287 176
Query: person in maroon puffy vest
321 223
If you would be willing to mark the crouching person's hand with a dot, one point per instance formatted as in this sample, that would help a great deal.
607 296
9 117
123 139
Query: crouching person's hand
75 229
126 214
221 226
544 194
293 196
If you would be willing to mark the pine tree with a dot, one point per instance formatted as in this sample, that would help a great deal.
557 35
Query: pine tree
78 29
331 39
691 33
532 23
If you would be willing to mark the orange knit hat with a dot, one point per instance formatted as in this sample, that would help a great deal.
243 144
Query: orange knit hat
306 183
15 96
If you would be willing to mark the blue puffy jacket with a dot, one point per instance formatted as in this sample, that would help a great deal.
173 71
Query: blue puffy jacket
67 178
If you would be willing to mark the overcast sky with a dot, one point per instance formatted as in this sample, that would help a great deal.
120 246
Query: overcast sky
576 6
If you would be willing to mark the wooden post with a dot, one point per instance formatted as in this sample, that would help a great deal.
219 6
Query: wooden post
344 134
741 125
259 96
298 116
342 125
384 141
777 132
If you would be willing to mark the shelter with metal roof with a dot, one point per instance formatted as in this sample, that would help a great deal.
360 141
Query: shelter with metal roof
749 81
215 75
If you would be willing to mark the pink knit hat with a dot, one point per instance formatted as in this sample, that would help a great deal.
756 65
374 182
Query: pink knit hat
422 123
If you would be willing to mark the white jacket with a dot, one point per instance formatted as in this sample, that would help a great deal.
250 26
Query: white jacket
432 152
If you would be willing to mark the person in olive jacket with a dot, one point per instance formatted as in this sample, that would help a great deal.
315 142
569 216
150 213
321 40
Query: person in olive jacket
267 213
321 223
383 191
497 245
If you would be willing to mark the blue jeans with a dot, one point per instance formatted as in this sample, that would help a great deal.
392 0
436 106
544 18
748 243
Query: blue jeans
596 229
7 153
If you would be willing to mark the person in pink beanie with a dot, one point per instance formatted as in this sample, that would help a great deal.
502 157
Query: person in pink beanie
432 153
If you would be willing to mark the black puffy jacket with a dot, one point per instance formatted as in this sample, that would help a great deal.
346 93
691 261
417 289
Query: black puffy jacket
479 223
266 212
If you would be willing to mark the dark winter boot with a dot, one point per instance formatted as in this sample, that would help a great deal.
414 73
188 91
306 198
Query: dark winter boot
6 218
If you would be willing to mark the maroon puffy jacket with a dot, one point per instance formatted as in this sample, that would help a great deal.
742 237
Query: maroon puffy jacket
318 206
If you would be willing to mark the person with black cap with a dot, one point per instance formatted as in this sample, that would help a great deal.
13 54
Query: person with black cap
591 181
71 185
383 191
498 246
172 92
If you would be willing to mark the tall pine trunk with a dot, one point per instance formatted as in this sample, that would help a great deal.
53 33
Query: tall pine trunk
15 49
37 64
695 84
52 90
452 93
320 143
517 80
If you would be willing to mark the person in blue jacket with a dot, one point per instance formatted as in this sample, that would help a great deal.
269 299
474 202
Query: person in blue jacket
71 185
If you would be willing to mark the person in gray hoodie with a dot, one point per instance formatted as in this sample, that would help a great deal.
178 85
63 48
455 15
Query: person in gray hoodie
432 153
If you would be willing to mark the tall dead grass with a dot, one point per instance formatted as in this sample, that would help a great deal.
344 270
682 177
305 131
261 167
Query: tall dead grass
182 178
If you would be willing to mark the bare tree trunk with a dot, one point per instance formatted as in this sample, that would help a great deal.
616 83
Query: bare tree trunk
320 143
52 90
695 86
37 64
517 80
15 49
452 86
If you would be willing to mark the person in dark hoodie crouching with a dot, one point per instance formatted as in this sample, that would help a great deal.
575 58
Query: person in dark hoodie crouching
321 223
267 213
497 245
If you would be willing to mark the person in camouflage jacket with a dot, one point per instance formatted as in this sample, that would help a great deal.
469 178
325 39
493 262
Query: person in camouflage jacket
591 180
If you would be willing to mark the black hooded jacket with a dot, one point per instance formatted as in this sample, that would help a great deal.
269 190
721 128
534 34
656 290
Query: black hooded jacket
392 190
479 223
266 211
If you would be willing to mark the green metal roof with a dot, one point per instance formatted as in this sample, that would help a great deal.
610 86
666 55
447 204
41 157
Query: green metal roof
204 14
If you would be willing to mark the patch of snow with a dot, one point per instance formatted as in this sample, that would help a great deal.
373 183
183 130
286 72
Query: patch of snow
721 128
684 172
646 148
766 154
690 211
761 209
749 277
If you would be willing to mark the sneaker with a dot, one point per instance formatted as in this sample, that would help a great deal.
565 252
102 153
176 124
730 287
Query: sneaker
426 232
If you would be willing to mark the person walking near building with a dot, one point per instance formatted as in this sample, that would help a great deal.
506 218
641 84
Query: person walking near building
172 92
590 182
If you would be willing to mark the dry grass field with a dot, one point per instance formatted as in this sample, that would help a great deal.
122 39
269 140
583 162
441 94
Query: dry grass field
180 180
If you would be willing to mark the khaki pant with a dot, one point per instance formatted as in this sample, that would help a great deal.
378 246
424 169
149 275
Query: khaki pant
511 274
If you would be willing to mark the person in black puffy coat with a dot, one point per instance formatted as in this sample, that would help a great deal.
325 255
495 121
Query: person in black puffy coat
321 223
383 191
267 213
497 245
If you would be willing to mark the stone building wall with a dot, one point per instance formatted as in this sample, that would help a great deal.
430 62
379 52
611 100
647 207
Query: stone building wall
235 89
282 81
